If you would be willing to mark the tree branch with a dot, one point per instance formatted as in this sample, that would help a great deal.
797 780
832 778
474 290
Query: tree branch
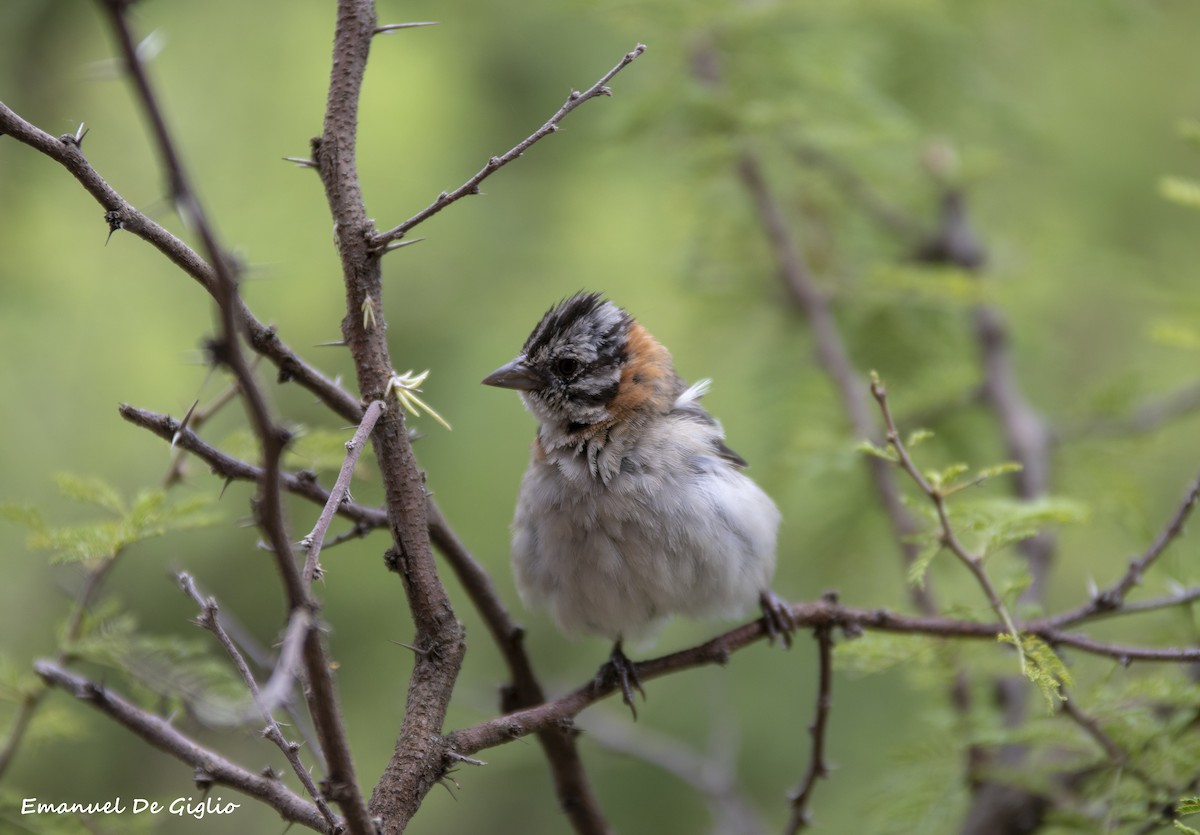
340 492
121 214
817 767
972 562
163 736
227 350
833 359
417 762
574 793
471 186
1112 599
822 613
210 619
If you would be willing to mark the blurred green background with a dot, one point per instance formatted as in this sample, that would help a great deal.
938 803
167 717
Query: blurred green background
1064 117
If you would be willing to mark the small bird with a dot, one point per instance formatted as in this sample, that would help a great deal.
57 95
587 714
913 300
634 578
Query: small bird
632 509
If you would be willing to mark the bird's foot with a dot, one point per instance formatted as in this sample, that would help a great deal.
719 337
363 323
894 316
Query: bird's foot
777 618
623 673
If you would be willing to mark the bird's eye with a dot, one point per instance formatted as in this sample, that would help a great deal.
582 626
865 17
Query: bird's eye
567 366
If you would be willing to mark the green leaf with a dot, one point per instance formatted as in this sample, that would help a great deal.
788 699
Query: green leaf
1043 667
1188 806
997 523
149 515
90 490
918 437
920 565
999 469
940 478
869 448
1185 828
25 515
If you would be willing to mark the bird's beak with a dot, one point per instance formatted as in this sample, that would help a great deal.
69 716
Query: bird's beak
515 375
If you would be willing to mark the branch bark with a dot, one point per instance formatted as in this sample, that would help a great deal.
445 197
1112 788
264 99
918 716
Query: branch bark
163 736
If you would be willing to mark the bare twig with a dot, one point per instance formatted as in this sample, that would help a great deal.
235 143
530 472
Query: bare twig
341 490
196 418
1112 599
165 737
272 439
817 767
494 164
210 619
821 613
574 793
262 337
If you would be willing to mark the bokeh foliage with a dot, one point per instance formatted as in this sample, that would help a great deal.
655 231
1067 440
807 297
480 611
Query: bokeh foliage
1064 118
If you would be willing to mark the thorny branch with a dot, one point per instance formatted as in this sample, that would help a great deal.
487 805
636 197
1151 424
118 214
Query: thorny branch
494 164
1112 599
163 736
226 350
210 619
340 492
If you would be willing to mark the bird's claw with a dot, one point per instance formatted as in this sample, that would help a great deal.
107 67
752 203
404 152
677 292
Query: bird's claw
777 618
623 673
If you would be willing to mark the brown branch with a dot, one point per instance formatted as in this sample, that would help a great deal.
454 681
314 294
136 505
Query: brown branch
210 619
834 360
574 793
471 186
949 538
822 613
121 214
817 767
165 737
1112 599
227 350
418 761
340 492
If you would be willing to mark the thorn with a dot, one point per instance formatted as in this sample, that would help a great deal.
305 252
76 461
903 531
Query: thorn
464 759
301 162
75 138
183 424
394 245
337 343
396 27
113 219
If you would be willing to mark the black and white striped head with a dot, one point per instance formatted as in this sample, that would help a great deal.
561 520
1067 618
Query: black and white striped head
569 370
